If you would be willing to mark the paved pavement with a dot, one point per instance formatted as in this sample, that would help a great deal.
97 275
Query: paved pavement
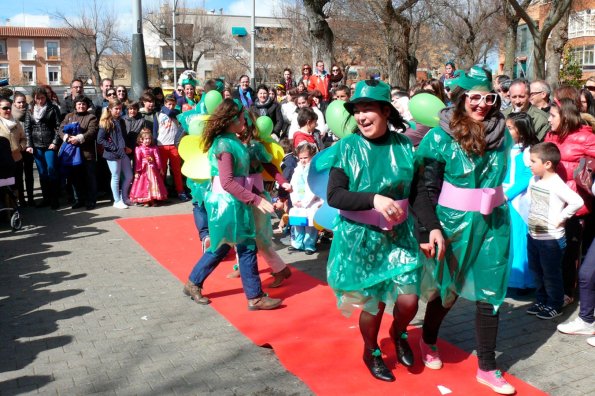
85 310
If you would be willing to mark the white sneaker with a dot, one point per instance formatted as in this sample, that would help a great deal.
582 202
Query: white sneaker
120 205
591 341
577 326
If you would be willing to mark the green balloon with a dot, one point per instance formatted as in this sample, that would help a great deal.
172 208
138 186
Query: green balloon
264 124
212 99
424 108
338 119
197 124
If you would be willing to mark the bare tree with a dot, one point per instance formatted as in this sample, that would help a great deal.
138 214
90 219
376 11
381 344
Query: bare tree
510 41
557 9
555 49
197 33
321 35
94 34
472 27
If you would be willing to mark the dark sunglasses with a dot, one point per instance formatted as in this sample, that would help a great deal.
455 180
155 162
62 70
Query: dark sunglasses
121 90
6 108
590 87
335 70
306 69
111 94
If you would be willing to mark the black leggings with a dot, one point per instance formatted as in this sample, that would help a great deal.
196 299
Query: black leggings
486 329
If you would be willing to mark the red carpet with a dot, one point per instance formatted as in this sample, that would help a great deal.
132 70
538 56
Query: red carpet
309 335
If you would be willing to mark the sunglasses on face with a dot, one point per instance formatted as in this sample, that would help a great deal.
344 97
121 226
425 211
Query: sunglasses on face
335 70
111 94
121 90
476 99
6 108
590 87
306 69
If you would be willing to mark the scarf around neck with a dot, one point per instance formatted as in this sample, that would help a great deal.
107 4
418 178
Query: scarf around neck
39 112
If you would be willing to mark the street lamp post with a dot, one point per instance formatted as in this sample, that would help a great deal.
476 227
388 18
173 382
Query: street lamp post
173 17
252 38
139 61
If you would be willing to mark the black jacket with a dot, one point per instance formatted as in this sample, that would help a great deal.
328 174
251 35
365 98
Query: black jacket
45 132
272 109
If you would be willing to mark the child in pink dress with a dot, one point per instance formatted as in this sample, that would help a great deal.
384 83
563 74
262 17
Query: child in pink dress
148 183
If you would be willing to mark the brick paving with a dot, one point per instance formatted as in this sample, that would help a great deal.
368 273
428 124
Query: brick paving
85 310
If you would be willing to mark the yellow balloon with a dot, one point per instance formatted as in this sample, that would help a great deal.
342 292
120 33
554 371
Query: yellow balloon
318 226
190 146
197 168
277 152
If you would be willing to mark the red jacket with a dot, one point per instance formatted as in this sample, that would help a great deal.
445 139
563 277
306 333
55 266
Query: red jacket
577 144
300 136
321 83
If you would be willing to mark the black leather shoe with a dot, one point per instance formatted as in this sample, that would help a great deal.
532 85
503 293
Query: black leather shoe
374 363
404 352
77 205
292 249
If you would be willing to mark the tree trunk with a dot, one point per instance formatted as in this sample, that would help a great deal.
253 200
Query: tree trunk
510 40
555 50
413 62
398 56
321 35
539 57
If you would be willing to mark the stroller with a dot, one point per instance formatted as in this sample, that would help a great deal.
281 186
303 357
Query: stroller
8 199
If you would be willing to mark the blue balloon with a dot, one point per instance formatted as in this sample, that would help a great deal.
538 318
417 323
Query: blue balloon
325 216
320 167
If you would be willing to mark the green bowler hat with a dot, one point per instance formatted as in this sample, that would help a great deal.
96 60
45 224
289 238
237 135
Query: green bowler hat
370 91
478 77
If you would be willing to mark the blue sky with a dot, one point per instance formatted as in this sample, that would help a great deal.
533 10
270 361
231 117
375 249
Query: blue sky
36 12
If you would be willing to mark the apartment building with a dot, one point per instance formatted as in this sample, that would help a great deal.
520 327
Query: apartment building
35 55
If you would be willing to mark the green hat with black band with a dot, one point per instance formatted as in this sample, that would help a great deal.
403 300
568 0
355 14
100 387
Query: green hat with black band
371 91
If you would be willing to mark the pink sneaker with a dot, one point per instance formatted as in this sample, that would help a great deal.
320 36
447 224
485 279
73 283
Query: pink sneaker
494 380
430 355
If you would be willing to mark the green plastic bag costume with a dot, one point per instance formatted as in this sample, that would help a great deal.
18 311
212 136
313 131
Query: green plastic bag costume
366 264
475 265
262 221
230 220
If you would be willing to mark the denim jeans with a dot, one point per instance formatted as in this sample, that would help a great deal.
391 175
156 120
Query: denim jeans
545 261
304 238
46 161
117 167
586 283
200 220
248 268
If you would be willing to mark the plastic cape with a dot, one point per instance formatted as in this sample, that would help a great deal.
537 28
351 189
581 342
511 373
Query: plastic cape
198 189
475 265
366 264
230 220
258 155
186 118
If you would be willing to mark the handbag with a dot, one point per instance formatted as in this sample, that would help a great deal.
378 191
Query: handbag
70 155
583 174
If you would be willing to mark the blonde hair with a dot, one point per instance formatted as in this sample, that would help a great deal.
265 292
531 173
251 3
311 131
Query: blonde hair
107 120
142 133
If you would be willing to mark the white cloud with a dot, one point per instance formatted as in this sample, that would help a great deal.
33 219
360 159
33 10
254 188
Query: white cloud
263 8
31 20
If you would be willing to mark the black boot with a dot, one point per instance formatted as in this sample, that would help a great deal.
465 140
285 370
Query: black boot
45 201
374 362
404 352
54 194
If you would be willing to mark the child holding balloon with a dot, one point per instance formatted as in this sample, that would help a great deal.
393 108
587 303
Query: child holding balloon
303 237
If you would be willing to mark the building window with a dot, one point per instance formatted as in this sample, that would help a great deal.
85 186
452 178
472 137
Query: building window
54 74
167 54
208 74
2 47
585 56
27 50
52 49
581 24
523 38
28 74
209 55
4 70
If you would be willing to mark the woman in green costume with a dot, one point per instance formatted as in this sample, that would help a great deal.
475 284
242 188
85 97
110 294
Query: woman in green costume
463 166
373 260
228 207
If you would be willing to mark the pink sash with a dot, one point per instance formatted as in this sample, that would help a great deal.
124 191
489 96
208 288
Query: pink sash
375 218
482 200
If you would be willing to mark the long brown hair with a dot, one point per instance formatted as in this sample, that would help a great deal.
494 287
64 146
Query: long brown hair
226 113
570 117
469 133
107 120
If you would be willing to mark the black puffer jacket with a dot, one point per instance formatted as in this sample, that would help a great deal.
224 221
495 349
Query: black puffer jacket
45 132
272 109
